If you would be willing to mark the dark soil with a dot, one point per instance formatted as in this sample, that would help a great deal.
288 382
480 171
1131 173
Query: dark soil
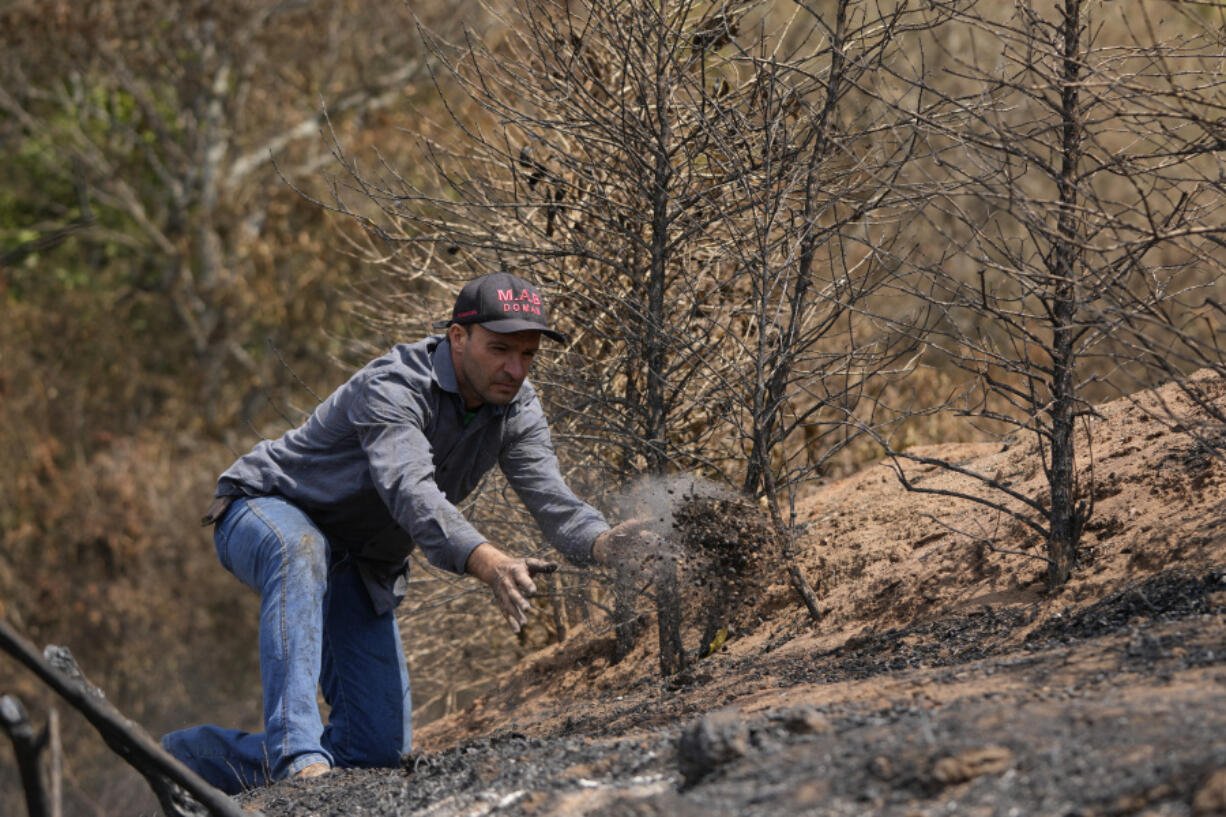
1114 709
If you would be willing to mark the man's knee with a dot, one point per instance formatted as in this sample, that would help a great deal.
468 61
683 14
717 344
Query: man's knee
373 739
383 752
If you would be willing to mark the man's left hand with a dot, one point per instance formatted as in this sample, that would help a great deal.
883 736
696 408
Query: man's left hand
510 578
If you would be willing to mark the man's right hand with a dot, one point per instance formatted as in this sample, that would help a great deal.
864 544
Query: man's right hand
631 549
510 578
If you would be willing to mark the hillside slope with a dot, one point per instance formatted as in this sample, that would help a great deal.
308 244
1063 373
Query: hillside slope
943 678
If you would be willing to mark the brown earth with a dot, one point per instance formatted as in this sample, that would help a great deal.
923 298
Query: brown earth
943 677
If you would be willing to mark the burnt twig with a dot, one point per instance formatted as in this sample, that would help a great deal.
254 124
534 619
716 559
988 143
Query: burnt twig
181 792
28 746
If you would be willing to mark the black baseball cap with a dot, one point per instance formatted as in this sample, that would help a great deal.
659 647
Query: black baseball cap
502 303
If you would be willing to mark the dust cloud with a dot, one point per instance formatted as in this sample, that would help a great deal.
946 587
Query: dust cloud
655 499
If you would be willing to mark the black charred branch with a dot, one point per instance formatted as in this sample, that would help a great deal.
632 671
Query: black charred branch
668 614
28 746
181 792
795 575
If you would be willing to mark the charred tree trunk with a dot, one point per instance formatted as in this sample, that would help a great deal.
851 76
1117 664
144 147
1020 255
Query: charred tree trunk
1064 517
668 615
626 620
657 340
28 748
777 363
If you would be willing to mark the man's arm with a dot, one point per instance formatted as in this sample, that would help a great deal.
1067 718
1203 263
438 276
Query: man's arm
572 526
531 468
389 420
402 467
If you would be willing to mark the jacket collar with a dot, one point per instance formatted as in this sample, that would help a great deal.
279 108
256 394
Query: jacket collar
443 371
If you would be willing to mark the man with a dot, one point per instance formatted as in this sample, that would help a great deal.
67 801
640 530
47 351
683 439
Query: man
320 522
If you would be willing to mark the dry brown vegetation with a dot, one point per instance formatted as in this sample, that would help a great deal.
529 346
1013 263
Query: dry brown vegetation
751 292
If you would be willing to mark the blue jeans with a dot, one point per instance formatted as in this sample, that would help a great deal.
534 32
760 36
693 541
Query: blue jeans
317 630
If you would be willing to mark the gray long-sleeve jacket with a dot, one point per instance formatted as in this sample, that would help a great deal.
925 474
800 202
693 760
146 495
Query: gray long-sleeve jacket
382 461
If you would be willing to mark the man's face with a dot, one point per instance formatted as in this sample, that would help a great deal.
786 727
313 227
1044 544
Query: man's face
490 367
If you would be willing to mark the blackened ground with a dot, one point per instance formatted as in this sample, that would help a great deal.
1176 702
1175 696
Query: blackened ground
1118 708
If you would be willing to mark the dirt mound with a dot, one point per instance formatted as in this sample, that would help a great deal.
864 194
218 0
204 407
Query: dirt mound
944 677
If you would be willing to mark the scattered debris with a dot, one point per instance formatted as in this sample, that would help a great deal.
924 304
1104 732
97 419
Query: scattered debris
711 742
969 765
1211 798
801 720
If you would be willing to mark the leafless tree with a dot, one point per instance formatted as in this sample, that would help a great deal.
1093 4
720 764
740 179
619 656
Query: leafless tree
819 153
1079 159
695 181
585 167
701 186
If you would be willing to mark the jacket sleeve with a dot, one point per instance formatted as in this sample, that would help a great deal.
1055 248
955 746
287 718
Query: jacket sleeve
531 467
390 420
